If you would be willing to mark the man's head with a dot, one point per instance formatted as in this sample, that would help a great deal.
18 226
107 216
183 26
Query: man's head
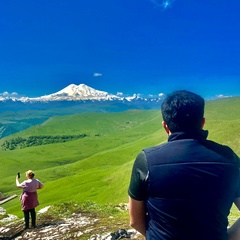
183 111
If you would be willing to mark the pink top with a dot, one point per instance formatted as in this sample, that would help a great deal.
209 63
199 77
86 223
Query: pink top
29 196
31 185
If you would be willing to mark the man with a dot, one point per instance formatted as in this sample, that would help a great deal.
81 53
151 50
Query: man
184 189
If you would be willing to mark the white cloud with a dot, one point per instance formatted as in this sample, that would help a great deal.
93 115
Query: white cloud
222 96
97 74
7 94
160 95
4 94
119 94
164 4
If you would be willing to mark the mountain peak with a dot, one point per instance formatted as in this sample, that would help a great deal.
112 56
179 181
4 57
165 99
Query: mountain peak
81 92
75 92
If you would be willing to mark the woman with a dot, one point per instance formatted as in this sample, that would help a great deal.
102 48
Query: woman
29 197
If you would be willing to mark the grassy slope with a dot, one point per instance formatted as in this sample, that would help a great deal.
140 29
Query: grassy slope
98 167
90 168
222 121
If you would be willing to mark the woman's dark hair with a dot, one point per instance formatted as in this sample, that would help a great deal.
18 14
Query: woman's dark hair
183 111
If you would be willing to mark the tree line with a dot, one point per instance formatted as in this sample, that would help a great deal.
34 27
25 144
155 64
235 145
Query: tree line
19 142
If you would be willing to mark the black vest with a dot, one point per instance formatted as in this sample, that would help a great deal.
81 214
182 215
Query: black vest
191 186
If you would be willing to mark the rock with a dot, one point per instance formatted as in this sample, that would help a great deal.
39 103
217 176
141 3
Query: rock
2 211
78 226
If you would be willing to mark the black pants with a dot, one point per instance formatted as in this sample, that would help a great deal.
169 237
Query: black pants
31 212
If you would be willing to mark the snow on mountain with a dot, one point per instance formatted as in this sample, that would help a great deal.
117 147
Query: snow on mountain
80 92
75 92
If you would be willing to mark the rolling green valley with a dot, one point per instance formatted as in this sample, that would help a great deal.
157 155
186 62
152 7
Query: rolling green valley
92 161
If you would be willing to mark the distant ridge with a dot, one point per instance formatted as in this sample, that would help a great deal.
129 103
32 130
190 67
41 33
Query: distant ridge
16 115
80 92
77 93
19 113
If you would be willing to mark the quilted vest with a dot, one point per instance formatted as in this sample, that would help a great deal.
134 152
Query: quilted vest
191 186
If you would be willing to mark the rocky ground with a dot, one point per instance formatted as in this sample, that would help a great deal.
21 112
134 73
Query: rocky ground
78 226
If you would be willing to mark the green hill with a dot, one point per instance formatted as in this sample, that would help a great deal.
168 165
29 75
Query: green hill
98 166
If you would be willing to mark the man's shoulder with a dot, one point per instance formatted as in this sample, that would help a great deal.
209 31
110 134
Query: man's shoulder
220 149
155 148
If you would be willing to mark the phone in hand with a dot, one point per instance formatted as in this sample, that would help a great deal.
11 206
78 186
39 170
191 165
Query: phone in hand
18 174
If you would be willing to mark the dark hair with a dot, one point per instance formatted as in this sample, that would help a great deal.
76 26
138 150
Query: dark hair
183 111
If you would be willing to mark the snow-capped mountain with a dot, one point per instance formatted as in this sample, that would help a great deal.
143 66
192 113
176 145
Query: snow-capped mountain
80 92
24 112
75 93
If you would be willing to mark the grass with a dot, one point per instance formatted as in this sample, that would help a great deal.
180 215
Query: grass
66 209
97 168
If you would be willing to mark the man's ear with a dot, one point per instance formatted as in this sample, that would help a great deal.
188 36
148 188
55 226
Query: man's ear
165 126
203 122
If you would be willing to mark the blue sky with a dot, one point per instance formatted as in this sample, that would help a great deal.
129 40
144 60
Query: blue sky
129 46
